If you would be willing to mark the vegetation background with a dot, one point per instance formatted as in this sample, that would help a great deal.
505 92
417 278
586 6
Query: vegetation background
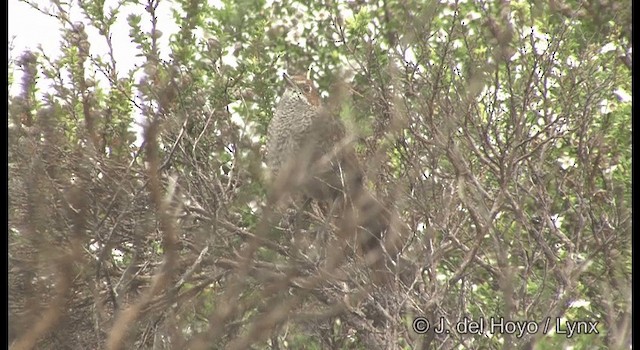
501 131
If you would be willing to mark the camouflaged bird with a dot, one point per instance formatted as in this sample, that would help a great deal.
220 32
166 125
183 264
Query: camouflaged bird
307 150
306 139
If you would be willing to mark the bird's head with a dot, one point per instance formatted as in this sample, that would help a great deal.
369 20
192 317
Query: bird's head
299 87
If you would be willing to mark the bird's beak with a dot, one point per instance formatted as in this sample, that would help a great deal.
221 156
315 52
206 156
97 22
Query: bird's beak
287 79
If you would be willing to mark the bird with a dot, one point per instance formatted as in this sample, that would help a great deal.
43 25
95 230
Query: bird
308 151
304 139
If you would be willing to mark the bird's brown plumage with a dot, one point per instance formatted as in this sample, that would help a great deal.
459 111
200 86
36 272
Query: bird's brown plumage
307 151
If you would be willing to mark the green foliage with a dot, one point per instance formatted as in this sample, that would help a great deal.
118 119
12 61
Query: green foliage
502 130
